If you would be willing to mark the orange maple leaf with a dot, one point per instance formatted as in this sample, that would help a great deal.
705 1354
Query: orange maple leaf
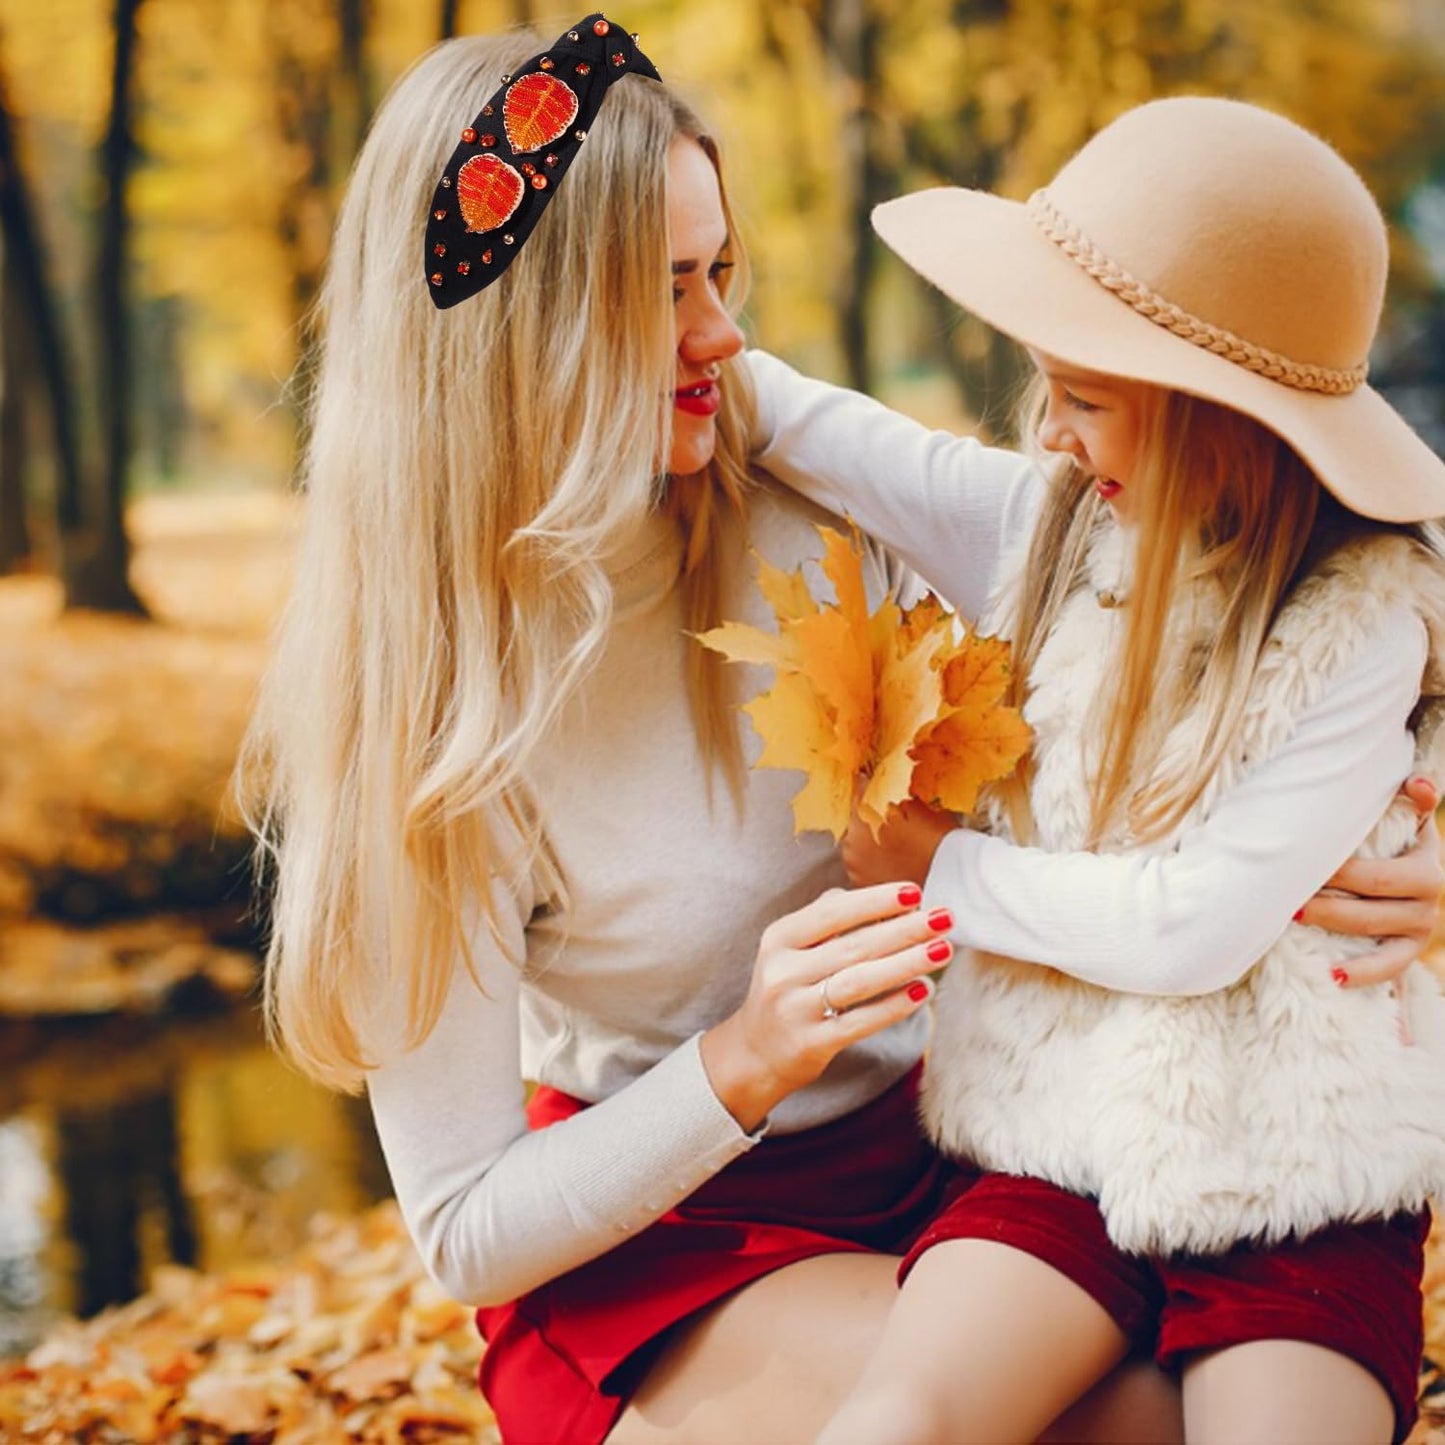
976 740
908 684
855 696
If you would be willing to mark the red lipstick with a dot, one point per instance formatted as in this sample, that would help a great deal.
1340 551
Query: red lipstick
699 399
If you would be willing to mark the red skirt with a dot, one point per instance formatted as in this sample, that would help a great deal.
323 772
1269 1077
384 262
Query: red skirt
562 1361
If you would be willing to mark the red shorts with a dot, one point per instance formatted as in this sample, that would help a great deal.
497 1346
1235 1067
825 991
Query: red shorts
562 1361
1354 1289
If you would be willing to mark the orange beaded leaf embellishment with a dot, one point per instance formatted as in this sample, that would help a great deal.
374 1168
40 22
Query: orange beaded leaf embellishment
537 111
488 192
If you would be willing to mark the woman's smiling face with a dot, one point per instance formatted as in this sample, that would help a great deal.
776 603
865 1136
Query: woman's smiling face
1095 419
706 333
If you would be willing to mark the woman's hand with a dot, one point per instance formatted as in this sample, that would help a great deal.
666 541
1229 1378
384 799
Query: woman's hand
904 847
1394 899
842 968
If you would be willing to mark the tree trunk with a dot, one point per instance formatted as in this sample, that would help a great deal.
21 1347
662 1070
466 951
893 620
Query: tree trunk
15 545
353 99
163 380
25 258
102 580
851 32
304 207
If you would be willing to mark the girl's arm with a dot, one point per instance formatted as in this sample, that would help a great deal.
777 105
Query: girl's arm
1198 918
947 505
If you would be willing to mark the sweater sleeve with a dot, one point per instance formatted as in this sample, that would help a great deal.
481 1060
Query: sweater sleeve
1198 918
947 505
496 1210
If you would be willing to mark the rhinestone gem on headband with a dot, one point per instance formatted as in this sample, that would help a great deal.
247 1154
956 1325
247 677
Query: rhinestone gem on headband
501 177
1302 376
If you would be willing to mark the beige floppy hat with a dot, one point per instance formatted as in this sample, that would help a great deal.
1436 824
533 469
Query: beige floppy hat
1208 246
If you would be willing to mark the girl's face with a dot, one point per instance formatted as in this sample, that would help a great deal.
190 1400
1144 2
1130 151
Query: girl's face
1095 419
706 334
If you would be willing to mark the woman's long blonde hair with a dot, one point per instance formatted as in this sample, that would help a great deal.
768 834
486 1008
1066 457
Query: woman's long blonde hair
468 475
1223 503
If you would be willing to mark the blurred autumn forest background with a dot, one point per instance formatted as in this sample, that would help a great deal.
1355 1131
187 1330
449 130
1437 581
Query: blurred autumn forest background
169 172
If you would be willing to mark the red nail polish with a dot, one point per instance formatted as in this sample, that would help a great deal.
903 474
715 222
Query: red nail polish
940 951
910 895
1339 976
940 920
1298 914
918 991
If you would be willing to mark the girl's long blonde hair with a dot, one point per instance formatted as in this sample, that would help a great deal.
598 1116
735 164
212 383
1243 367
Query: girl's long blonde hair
468 475
1222 502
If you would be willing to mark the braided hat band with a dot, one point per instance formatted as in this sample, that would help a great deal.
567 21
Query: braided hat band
1303 376
511 158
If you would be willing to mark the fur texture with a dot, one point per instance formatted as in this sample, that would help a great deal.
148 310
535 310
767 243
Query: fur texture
1267 1109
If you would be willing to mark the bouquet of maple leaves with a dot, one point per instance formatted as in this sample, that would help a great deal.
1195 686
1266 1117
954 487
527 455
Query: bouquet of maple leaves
874 708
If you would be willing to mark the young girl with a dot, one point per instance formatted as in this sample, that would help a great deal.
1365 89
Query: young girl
1189 1140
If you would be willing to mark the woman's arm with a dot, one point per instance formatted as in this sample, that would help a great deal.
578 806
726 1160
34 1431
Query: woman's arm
1198 918
1396 900
947 505
497 1210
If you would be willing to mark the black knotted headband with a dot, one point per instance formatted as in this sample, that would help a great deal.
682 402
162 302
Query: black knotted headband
512 157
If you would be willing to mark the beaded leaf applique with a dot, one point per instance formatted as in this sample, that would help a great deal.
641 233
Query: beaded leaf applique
488 192
537 111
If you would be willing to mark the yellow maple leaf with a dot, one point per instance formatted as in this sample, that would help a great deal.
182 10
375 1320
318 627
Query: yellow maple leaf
856 695
797 732
909 687
838 662
978 672
738 642
926 615
785 592
976 740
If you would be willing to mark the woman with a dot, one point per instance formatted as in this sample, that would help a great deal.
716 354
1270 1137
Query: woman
516 512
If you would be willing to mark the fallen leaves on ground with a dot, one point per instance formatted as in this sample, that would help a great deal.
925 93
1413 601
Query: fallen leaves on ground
873 708
1430 1430
347 1341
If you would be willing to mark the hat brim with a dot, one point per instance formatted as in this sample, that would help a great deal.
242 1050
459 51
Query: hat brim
989 256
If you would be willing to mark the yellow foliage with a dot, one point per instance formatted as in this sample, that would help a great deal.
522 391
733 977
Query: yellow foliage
234 194
875 708
976 740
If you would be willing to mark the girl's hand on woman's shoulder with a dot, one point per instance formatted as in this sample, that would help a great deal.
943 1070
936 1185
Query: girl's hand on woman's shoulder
844 967
1394 899
904 847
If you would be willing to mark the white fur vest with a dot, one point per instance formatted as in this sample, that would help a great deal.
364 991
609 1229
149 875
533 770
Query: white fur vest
1270 1108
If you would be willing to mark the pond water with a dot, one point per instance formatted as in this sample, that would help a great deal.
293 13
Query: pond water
126 1143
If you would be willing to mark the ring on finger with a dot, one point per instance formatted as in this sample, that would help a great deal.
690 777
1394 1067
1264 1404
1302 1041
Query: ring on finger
829 1010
